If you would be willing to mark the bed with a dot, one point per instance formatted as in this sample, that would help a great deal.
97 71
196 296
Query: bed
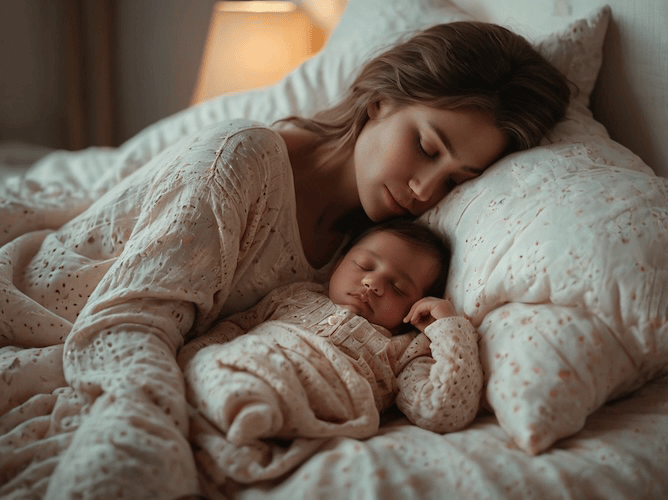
559 260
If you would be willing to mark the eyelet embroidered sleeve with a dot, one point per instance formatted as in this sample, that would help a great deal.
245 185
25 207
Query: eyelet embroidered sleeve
204 212
442 392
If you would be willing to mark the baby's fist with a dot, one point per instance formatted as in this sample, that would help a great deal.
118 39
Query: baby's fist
427 310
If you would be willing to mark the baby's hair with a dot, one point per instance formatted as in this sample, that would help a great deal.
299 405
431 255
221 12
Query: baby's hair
420 236
465 64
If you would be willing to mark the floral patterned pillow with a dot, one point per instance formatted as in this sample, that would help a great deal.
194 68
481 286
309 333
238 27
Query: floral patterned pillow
559 259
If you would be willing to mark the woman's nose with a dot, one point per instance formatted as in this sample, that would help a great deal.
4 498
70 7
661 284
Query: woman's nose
374 284
425 184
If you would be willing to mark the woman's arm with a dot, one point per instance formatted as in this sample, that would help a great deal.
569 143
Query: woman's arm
173 276
442 392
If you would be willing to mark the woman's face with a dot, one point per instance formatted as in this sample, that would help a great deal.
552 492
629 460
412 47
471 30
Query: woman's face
408 158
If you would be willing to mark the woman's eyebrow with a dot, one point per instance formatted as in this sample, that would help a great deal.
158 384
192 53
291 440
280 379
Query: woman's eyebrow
448 145
444 139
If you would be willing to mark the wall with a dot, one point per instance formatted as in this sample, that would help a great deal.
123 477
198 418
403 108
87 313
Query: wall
159 49
154 52
32 61
156 47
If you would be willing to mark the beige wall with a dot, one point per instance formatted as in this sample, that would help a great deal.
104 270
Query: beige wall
158 54
156 44
32 77
156 47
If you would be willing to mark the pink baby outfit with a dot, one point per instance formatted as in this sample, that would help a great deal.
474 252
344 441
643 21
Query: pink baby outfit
327 371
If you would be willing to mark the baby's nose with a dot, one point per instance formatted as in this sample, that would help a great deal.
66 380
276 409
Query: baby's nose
374 285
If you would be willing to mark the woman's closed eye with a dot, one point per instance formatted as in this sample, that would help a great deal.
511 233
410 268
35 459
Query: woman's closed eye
425 151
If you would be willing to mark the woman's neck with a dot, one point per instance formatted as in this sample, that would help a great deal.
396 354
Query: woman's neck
328 186
326 194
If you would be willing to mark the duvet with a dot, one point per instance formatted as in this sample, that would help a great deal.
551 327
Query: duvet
96 301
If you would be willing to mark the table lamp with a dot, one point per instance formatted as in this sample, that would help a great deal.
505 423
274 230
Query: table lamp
252 44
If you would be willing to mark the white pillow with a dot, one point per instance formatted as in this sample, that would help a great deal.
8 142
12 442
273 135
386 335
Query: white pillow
559 259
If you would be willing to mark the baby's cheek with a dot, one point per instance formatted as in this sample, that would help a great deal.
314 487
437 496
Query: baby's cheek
401 309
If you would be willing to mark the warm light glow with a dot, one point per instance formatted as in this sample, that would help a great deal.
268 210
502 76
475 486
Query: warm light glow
256 6
326 13
253 44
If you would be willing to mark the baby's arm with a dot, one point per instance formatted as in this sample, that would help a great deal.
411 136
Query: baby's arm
223 332
442 392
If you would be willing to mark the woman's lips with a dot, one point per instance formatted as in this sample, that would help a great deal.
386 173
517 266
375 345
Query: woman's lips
395 206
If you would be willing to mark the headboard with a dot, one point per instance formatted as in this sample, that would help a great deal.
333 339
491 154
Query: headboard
634 75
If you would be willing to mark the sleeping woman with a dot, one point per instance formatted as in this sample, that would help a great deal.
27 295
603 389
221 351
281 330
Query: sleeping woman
109 297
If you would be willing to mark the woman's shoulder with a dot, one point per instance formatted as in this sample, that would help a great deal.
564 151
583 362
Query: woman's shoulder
243 129
243 151
246 139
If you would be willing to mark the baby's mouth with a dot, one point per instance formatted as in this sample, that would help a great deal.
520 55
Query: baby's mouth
362 297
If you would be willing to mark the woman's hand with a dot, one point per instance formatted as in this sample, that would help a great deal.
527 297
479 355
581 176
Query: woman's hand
427 310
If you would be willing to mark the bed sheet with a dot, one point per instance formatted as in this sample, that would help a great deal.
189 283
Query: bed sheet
622 453
16 157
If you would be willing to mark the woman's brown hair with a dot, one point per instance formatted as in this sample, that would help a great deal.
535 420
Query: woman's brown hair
456 65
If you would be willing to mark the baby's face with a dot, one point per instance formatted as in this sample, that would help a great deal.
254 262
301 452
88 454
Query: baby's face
381 277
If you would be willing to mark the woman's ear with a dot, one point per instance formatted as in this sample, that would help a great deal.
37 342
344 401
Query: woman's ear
380 108
373 109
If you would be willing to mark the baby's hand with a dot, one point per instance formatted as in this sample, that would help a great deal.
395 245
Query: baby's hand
427 310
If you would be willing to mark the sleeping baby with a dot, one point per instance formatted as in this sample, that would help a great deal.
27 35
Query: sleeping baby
315 362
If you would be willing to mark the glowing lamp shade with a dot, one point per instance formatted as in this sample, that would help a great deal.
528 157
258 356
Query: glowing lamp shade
253 44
